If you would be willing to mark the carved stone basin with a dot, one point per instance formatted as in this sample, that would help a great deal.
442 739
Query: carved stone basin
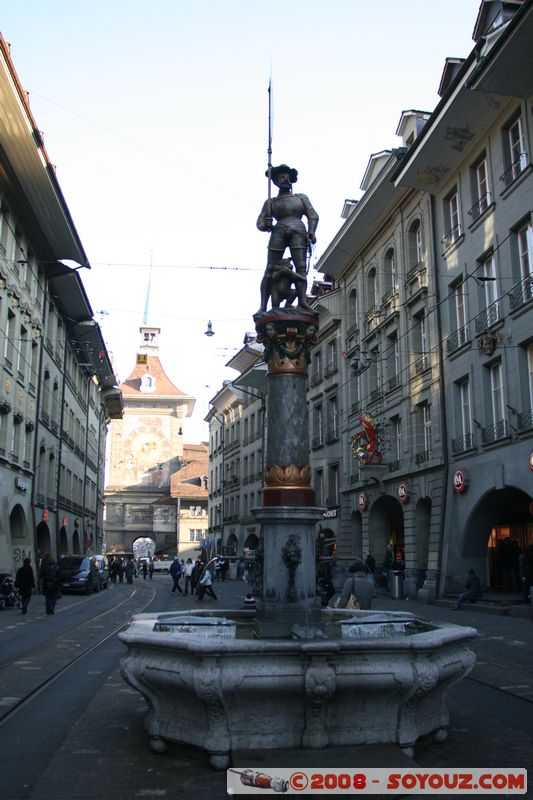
217 687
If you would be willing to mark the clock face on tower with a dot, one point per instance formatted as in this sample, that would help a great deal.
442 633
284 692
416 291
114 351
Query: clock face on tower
145 448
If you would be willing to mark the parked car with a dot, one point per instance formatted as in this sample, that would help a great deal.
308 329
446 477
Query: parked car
83 573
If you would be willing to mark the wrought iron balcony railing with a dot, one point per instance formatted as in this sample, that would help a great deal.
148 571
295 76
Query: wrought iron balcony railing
522 293
482 204
495 432
457 339
490 316
462 443
516 169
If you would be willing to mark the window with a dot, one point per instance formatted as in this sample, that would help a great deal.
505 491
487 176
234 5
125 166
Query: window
416 253
396 442
420 343
452 222
352 311
316 375
514 151
331 365
393 362
458 323
333 420
333 486
423 433
389 273
9 345
524 418
522 245
491 314
374 374
481 197
318 426
464 438
497 428
371 290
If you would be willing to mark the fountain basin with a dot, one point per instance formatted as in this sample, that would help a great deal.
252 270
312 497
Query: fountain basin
222 693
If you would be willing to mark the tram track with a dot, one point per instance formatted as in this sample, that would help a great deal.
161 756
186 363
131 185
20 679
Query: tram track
49 656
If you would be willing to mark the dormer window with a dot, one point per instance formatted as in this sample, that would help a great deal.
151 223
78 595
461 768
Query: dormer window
147 383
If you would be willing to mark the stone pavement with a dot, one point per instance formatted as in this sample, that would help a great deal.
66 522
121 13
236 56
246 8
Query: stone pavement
106 753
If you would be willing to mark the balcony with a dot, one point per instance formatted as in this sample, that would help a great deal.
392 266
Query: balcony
457 340
524 420
451 237
489 317
376 394
421 364
332 434
416 270
423 457
516 169
480 207
393 383
522 293
352 330
331 368
495 432
462 443
316 377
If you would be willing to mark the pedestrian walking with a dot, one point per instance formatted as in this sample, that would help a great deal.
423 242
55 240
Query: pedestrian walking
151 569
25 583
175 574
52 586
145 570
388 563
129 570
187 571
206 585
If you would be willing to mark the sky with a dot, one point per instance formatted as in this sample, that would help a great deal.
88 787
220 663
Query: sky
156 118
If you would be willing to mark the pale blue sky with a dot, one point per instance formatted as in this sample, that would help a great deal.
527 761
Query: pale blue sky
156 117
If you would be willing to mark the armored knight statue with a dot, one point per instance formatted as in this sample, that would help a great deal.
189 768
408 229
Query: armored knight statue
289 231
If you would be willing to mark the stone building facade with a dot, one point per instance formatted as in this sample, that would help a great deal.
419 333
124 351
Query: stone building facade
57 387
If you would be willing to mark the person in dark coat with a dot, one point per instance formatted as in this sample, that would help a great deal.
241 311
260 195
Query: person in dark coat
25 583
358 584
472 590
52 586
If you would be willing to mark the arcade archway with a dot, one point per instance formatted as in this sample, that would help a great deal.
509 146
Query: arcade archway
501 514
386 526
143 547
44 540
356 528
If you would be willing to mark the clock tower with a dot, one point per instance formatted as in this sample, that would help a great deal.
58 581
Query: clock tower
146 448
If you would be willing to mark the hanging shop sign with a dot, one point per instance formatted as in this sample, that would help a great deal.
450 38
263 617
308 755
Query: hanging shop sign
403 492
45 515
363 501
460 480
331 513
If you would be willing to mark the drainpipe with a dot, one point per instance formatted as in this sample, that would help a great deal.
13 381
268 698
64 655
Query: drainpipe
36 444
442 386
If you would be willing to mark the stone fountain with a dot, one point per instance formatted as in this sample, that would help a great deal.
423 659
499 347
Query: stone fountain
291 674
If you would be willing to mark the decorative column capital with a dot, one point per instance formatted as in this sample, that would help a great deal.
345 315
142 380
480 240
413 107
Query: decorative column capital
287 335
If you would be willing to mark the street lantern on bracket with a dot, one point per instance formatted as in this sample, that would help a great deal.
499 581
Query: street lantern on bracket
209 331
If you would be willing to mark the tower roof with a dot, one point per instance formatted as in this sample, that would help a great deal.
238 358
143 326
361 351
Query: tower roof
160 385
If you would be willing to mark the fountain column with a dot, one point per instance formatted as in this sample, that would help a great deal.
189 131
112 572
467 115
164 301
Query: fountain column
287 599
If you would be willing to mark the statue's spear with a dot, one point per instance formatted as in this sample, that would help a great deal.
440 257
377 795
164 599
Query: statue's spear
269 150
